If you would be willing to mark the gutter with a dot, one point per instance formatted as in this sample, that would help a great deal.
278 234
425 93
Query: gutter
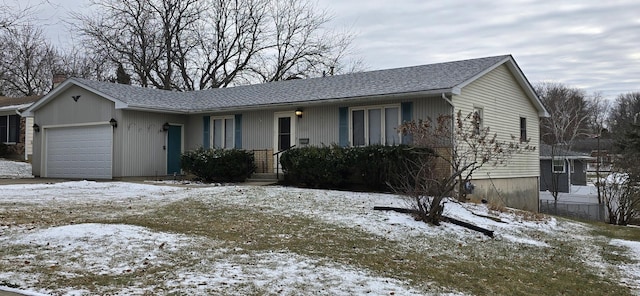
318 102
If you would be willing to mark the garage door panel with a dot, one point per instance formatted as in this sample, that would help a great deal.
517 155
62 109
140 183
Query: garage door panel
79 152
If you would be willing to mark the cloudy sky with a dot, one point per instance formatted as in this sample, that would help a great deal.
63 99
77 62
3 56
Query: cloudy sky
594 45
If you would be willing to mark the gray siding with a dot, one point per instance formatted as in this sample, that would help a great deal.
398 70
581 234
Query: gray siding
257 130
139 143
319 123
546 177
193 136
432 107
579 175
63 110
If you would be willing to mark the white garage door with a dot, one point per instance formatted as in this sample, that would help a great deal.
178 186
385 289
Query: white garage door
79 152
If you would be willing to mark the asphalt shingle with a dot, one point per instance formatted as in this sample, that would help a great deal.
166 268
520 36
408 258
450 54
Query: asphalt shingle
433 77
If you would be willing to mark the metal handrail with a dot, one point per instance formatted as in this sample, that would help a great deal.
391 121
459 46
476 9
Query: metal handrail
277 155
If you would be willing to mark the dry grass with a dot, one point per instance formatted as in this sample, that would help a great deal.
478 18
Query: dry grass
436 264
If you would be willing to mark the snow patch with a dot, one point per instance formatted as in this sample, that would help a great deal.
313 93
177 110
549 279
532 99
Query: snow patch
14 169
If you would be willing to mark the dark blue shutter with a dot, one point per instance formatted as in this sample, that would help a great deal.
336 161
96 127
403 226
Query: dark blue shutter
238 131
406 110
343 126
206 132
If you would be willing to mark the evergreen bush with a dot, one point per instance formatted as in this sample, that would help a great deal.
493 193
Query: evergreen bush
221 165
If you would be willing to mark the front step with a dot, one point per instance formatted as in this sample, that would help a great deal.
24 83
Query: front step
263 179
264 176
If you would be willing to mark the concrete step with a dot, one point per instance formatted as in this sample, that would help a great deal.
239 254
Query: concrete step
264 176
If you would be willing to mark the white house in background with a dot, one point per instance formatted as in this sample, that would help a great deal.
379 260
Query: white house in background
100 130
15 131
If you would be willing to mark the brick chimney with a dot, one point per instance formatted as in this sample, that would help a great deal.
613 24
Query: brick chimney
58 78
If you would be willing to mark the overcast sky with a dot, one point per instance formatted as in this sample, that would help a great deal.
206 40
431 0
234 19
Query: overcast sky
594 45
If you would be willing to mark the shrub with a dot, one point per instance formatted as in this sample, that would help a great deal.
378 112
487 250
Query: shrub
325 167
218 164
4 150
380 166
375 166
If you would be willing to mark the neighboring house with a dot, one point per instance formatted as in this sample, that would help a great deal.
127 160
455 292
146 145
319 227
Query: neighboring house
570 167
15 131
600 151
90 129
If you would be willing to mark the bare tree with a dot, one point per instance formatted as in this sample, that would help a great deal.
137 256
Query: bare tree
197 44
624 113
15 14
621 198
229 40
74 62
569 116
125 32
452 157
599 111
26 62
621 190
299 45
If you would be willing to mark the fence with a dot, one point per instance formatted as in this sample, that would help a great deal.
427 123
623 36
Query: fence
584 211
263 159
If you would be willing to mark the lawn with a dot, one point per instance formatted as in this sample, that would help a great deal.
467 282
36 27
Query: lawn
119 238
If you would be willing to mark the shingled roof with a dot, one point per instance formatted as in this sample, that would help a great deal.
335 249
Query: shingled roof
17 104
434 78
546 152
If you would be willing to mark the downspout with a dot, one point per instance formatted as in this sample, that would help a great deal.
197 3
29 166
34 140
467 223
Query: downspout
569 173
453 111
444 97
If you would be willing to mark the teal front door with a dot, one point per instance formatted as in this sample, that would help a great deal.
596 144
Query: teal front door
174 149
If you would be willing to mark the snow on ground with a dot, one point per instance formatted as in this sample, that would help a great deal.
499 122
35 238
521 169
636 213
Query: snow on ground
113 249
14 169
631 271
578 194
99 249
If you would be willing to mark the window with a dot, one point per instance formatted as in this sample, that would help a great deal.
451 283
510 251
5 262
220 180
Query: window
558 166
10 129
523 129
223 132
375 125
477 120
284 133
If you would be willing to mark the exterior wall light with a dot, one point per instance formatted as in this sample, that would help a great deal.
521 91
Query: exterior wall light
113 122
36 127
165 126
299 113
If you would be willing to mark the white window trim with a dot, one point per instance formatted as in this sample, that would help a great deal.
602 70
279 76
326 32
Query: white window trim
383 121
224 130
9 130
526 129
564 166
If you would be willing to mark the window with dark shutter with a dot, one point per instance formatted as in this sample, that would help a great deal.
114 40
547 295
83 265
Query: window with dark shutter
14 129
4 129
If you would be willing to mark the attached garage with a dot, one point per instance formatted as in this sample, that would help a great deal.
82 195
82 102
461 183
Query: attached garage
79 152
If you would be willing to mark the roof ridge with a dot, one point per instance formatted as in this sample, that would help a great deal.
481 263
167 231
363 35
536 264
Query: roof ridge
427 78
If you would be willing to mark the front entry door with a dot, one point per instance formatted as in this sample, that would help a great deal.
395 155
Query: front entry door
285 132
174 149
